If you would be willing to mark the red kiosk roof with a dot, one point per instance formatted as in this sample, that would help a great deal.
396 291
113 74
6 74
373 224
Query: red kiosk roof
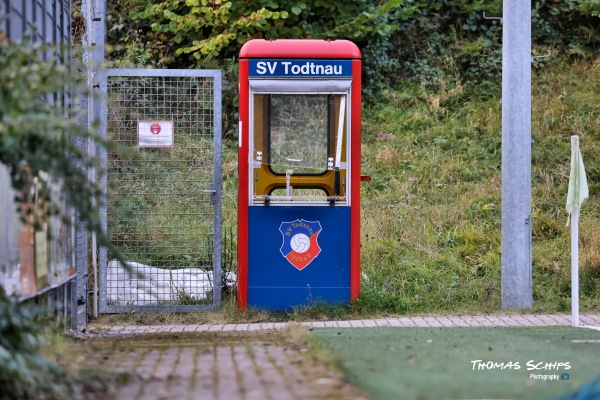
299 48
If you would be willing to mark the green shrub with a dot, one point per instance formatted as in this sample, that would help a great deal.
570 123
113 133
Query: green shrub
24 374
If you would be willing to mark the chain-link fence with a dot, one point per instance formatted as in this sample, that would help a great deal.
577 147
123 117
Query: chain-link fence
163 182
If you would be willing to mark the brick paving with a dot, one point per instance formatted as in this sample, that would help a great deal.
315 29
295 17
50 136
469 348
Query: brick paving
252 361
427 321
248 362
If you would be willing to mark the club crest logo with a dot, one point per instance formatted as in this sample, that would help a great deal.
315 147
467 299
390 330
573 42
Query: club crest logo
300 244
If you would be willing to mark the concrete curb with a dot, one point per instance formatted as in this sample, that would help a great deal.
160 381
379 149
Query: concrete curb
501 320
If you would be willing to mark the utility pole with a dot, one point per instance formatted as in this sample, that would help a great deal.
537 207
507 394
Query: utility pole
516 155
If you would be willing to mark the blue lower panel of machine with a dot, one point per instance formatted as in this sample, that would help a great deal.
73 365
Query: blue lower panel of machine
286 299
298 256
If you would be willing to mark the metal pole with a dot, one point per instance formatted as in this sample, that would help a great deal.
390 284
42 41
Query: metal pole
516 155
575 267
97 60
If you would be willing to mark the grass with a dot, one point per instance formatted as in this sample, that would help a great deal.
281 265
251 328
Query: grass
230 314
452 363
88 381
431 215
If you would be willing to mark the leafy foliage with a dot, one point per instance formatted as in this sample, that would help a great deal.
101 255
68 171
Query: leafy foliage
23 373
37 133
207 33
435 42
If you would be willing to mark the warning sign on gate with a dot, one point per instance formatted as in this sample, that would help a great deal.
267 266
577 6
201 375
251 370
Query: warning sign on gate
155 133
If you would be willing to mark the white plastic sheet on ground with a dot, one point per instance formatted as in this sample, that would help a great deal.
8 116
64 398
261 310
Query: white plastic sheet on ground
147 285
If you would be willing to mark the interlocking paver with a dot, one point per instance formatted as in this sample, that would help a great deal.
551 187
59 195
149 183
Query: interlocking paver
148 363
393 322
254 327
459 322
215 328
178 328
182 373
497 321
547 320
167 364
381 322
520 322
433 322
586 320
357 324
242 327
269 374
421 322
227 382
407 322
290 376
537 321
470 320
190 328
205 374
446 322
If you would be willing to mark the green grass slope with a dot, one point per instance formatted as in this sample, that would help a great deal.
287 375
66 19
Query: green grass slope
431 215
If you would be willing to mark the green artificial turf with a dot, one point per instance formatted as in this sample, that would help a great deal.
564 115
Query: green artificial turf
438 363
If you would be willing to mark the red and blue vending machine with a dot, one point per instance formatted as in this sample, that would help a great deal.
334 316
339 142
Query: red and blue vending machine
299 173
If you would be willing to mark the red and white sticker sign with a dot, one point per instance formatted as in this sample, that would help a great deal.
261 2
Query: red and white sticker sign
155 134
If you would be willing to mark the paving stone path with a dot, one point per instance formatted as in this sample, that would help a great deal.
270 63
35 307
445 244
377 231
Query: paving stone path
252 365
251 361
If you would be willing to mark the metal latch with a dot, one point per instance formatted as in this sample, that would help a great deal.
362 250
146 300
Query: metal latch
213 193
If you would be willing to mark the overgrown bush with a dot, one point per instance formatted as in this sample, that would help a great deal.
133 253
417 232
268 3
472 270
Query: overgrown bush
24 374
38 128
37 132
435 42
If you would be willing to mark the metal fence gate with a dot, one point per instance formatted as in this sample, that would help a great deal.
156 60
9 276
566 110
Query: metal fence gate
163 190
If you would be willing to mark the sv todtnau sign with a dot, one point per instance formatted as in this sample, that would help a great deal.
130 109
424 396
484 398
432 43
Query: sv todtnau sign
300 68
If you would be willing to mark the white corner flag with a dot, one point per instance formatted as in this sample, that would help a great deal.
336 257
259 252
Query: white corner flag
578 192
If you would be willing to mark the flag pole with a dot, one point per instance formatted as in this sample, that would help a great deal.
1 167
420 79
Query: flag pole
575 267
578 192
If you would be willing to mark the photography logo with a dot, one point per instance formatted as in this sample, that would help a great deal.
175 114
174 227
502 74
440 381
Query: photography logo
564 377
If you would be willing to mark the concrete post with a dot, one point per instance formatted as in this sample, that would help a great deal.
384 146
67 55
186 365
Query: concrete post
516 155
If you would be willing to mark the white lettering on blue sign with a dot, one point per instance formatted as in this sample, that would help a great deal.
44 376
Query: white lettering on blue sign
300 68
261 70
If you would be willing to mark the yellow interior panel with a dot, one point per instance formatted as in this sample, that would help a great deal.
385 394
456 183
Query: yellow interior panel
302 117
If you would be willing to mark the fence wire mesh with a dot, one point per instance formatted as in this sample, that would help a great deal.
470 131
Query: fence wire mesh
163 203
